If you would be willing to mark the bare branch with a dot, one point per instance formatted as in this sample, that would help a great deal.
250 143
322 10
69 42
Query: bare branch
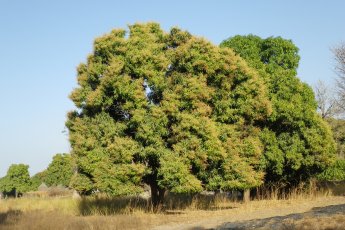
339 56
327 103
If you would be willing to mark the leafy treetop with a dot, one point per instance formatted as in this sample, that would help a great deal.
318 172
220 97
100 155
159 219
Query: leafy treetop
167 109
298 143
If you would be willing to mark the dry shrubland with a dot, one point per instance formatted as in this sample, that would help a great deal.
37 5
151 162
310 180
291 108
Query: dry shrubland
136 213
55 220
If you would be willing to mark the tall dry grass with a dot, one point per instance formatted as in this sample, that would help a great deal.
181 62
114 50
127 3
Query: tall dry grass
104 205
37 220
65 205
102 212
305 190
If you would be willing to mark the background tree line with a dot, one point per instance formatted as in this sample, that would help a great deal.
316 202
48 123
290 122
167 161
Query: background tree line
18 181
331 106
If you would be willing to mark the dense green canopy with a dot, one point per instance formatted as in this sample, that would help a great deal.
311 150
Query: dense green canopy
167 109
178 113
298 143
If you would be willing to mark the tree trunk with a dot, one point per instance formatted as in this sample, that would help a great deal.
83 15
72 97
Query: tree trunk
15 193
246 195
157 197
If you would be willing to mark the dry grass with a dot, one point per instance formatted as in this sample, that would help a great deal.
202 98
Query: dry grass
104 205
307 190
65 205
132 212
55 220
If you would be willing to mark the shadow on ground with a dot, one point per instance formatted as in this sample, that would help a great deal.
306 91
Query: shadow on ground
173 204
283 222
9 217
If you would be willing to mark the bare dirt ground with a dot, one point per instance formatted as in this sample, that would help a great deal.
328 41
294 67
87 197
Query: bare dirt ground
273 215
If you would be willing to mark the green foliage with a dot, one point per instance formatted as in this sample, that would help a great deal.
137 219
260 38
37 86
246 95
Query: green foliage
17 180
335 172
174 175
59 171
167 109
81 183
297 142
338 129
37 180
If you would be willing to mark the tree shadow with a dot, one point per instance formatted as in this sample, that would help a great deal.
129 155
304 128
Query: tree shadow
173 204
112 205
281 222
10 217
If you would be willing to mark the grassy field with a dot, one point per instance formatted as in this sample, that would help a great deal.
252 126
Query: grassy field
135 213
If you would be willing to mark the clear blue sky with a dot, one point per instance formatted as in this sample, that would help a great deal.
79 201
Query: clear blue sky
42 42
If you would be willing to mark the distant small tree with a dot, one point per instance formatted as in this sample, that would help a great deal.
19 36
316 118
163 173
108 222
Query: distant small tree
16 181
37 180
59 171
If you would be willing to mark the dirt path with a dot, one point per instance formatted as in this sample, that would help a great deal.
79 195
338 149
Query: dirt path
258 214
